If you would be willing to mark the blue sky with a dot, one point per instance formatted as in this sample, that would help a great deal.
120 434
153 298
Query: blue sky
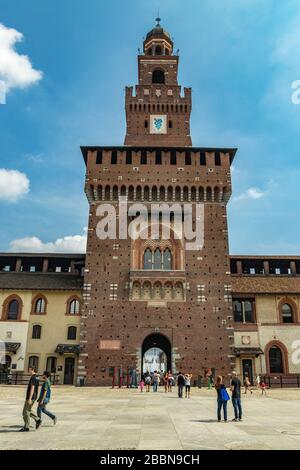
239 56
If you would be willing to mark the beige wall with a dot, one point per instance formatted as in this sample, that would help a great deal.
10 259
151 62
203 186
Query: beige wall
16 331
269 329
54 331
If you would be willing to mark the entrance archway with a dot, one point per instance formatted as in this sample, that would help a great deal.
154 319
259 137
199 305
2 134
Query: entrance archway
156 348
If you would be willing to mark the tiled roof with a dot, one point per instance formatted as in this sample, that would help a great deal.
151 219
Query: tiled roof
40 281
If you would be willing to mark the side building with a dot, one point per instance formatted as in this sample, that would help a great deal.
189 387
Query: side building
41 296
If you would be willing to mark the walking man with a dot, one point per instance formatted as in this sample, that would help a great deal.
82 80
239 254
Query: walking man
31 396
236 397
43 400
180 383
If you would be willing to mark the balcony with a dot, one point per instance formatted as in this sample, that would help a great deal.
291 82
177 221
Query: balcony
157 287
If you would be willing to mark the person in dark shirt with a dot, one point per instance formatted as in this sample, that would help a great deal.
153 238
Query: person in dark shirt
236 397
31 396
180 383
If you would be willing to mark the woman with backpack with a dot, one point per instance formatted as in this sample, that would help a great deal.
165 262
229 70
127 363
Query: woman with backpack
43 400
222 398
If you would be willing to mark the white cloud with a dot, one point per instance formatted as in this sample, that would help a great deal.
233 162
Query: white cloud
251 193
16 70
13 185
67 244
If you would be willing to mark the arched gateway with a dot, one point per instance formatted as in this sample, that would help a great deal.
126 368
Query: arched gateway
156 353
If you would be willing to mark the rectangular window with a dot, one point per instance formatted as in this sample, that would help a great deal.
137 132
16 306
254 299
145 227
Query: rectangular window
170 124
243 311
146 124
144 157
128 157
158 157
114 157
99 157
173 158
188 158
217 159
202 158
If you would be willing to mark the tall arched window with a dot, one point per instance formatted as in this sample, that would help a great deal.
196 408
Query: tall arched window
158 76
13 310
167 259
74 307
276 360
287 313
33 362
36 331
51 364
157 259
72 332
147 264
40 305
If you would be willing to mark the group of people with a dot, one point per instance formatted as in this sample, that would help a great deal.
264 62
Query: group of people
42 398
155 378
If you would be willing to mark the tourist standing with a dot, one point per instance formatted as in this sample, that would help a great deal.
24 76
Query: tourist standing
170 381
247 384
236 397
147 381
222 398
142 384
31 395
155 381
263 387
180 384
257 380
187 381
43 400
166 381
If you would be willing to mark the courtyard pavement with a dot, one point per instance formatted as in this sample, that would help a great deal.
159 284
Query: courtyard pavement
102 418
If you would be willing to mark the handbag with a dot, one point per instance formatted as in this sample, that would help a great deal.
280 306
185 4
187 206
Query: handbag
224 395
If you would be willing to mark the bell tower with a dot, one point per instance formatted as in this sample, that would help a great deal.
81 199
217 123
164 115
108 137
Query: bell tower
158 114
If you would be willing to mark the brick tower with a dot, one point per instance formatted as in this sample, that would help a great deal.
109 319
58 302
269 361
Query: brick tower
152 294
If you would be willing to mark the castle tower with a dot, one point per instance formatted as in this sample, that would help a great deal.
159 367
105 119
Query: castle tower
147 295
157 114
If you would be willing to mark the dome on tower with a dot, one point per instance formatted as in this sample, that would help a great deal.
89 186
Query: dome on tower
158 32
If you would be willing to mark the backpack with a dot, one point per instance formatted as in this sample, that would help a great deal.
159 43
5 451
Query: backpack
224 394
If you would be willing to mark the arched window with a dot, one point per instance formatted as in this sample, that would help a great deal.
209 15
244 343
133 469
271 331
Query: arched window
287 314
13 310
40 305
72 332
167 259
36 332
5 366
74 307
158 76
157 259
33 363
147 263
158 50
51 364
276 360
